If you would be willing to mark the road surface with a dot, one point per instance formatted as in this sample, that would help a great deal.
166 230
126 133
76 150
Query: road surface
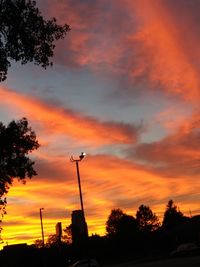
172 262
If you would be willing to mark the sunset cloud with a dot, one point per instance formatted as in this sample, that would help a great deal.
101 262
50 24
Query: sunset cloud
107 182
175 155
64 121
155 51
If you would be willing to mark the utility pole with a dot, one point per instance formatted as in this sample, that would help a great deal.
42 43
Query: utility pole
42 227
82 155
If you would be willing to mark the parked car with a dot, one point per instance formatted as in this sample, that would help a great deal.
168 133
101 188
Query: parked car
86 263
186 249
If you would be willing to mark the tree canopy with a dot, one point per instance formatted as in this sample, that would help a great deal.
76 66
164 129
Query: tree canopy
127 226
112 223
119 224
172 216
25 36
16 141
146 219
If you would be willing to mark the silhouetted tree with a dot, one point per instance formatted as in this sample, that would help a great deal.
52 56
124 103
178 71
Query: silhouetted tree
172 216
121 225
38 243
3 203
127 227
146 219
112 224
25 36
68 234
16 141
53 240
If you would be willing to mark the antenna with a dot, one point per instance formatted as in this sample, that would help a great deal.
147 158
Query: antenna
190 213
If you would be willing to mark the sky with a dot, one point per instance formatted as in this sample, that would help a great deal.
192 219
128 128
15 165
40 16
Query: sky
124 88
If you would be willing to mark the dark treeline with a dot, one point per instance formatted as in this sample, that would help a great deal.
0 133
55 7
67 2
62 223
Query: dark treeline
127 238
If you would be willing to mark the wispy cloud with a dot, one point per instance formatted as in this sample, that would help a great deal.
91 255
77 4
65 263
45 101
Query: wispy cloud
58 120
175 155
107 182
158 49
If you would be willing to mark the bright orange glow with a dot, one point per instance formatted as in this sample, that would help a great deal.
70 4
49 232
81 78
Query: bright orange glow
57 121
166 57
131 184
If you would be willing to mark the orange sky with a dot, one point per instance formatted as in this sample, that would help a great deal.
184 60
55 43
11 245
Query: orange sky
124 88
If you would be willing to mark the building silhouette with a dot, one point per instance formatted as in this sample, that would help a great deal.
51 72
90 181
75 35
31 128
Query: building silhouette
59 231
79 226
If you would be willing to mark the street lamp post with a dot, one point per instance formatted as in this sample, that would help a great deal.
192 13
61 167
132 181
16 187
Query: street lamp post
82 155
42 226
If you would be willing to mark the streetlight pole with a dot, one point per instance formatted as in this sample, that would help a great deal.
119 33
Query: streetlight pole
79 185
42 226
79 181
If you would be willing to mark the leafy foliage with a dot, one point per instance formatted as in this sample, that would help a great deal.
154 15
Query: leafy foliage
112 223
121 225
172 216
53 240
16 141
127 227
38 243
146 219
68 234
25 36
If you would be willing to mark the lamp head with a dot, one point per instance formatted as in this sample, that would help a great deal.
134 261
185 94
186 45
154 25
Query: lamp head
82 155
